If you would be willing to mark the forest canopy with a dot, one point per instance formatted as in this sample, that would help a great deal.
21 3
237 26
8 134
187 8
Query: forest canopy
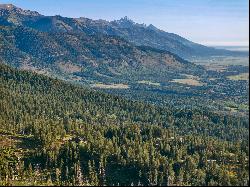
57 133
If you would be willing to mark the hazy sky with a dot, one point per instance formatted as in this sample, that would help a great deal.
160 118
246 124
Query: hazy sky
210 22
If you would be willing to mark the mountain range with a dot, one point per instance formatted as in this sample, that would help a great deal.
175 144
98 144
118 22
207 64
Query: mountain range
60 45
138 34
85 50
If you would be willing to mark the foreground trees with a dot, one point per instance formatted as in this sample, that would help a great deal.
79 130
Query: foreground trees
54 133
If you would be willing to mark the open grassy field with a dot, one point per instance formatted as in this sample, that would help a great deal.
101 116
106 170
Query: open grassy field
149 83
110 86
188 81
242 76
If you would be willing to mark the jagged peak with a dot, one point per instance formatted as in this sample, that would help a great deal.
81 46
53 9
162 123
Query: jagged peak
127 22
126 18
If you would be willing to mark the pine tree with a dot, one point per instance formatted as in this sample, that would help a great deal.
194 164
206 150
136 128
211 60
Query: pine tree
79 176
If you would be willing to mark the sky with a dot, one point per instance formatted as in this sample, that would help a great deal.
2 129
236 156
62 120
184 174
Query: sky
208 22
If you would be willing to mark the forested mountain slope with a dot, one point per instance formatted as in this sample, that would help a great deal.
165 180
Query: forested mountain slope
88 59
53 132
24 47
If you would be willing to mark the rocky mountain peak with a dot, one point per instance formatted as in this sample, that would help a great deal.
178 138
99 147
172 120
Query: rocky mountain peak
124 22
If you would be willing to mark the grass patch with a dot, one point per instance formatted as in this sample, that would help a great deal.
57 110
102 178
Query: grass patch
149 83
242 76
110 86
190 82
